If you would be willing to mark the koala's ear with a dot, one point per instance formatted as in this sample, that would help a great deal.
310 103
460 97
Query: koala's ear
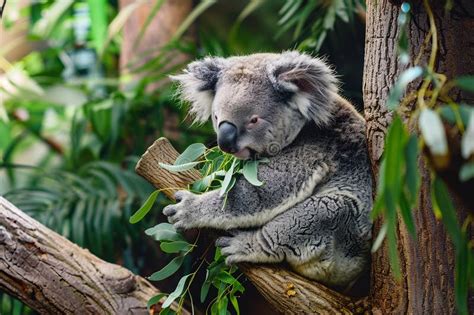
309 81
197 85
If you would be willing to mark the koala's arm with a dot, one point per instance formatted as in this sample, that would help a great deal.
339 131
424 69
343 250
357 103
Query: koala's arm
246 205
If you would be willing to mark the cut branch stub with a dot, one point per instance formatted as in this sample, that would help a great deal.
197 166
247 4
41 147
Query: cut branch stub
285 290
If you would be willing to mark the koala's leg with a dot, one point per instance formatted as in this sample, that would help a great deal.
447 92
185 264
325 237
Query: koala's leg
247 205
325 238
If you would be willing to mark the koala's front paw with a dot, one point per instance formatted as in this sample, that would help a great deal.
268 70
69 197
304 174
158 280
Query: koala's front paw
236 248
183 214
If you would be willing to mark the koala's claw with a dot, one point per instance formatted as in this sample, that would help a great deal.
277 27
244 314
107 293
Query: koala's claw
169 211
234 249
223 241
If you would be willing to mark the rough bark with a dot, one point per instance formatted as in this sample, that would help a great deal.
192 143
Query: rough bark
54 276
275 283
427 285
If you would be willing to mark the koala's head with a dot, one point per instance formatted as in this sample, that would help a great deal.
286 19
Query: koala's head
259 103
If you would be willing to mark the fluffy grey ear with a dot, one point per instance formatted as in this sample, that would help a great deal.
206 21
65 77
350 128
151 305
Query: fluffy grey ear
309 81
197 85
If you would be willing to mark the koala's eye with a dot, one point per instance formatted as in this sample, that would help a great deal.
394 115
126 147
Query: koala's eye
254 119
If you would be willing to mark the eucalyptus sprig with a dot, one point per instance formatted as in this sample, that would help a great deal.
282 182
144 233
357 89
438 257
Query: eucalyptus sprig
429 110
218 171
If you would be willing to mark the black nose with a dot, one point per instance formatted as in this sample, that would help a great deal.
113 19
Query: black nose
227 137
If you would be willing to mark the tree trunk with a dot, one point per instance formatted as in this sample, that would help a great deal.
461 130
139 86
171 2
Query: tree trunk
54 276
427 263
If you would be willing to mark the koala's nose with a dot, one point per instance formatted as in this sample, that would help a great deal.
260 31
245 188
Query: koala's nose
227 137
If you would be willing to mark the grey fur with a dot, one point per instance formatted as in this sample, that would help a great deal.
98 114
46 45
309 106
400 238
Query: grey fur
313 210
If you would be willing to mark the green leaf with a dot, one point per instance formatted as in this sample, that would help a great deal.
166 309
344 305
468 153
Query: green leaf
412 175
178 168
229 279
392 237
442 203
167 270
98 14
164 232
433 133
395 143
462 280
466 172
227 182
205 290
177 292
193 152
222 306
407 216
380 237
465 82
142 212
154 300
250 172
235 303
399 87
175 247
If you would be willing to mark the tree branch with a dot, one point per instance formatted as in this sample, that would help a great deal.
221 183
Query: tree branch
54 276
285 290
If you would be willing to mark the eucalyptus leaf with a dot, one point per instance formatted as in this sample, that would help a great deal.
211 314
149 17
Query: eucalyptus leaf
177 292
399 87
461 287
412 177
433 132
154 300
205 290
178 168
407 216
175 247
164 232
222 305
443 203
465 82
226 183
466 172
250 172
142 212
192 153
235 303
167 270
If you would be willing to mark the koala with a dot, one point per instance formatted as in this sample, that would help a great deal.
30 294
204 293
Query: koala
313 209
